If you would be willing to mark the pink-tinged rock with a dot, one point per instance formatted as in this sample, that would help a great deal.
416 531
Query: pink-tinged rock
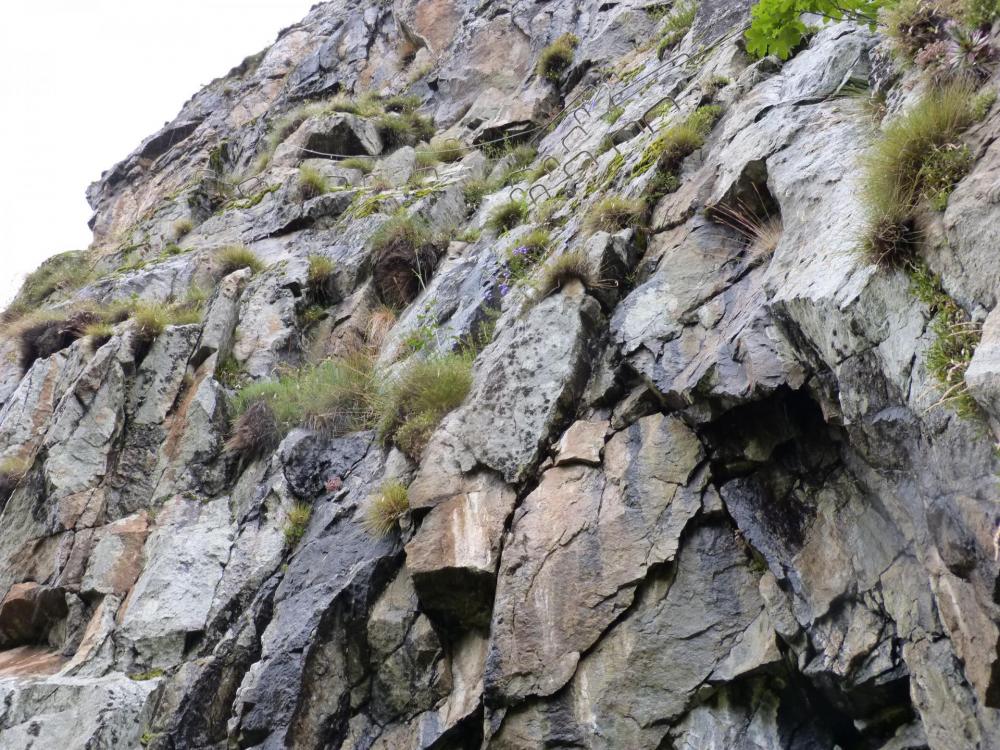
582 443
117 558
454 555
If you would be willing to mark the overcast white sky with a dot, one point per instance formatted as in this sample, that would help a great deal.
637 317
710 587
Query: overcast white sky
82 82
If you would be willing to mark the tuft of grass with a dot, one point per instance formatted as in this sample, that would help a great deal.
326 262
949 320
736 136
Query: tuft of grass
919 157
675 26
760 231
61 274
403 257
555 59
256 432
613 115
296 523
99 332
415 403
336 396
359 163
404 129
470 234
508 215
955 340
229 372
181 227
475 190
443 151
150 674
320 277
561 270
234 257
311 183
612 214
382 319
385 509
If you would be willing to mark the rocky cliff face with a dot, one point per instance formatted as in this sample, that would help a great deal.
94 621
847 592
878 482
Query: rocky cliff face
702 488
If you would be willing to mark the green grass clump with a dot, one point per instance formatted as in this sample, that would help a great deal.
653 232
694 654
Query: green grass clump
359 163
613 115
475 190
320 277
99 332
234 257
561 270
181 227
150 674
415 403
296 523
385 509
404 129
955 341
151 318
555 59
612 214
508 215
918 157
676 25
311 183
404 254
336 396
444 151
63 273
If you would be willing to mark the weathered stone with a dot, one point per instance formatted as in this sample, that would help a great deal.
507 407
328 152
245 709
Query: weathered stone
28 612
453 557
582 443
340 133
601 529
116 559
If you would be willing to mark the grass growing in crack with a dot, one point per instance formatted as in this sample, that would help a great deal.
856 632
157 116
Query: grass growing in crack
918 158
555 59
311 183
567 267
404 254
234 257
296 523
359 163
955 340
676 25
612 214
385 509
320 277
180 228
508 215
416 402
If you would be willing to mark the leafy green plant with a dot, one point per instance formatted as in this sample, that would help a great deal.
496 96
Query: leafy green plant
612 214
557 57
385 509
508 215
234 257
676 25
296 523
776 27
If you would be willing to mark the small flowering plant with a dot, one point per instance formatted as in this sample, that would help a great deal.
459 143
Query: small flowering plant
520 261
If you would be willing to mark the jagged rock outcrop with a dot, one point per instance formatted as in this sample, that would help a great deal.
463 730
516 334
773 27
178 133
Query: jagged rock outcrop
655 479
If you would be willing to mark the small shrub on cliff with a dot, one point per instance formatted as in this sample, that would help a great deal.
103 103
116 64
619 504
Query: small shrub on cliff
777 27
914 161
508 215
234 257
311 183
557 57
296 523
612 214
414 404
386 508
676 25
403 258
